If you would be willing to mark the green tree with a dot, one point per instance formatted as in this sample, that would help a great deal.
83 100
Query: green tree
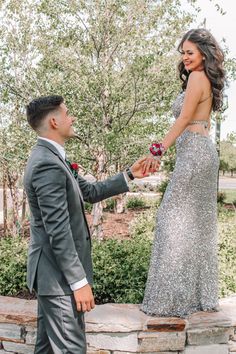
228 155
113 61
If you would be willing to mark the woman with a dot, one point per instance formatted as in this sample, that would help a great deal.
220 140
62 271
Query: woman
183 275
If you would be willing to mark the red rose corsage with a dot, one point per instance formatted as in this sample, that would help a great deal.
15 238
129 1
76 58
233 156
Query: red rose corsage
157 149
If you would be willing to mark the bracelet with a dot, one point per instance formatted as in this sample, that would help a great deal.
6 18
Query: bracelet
129 173
157 149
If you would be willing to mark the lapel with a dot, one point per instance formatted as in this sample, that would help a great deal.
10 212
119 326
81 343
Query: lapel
54 150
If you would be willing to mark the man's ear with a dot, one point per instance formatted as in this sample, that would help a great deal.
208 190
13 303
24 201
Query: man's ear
53 122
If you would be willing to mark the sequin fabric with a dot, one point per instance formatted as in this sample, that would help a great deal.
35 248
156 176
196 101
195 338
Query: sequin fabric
183 273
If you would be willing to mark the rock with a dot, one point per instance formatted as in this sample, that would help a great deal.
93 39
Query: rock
18 348
118 352
228 308
161 324
207 319
12 332
115 318
94 351
207 349
215 335
31 335
113 341
232 346
18 311
161 341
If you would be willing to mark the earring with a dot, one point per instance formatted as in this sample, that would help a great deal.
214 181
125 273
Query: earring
203 58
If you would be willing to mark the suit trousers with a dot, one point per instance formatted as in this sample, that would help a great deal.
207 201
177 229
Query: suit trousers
61 328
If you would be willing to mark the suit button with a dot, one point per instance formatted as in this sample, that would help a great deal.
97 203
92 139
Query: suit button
87 238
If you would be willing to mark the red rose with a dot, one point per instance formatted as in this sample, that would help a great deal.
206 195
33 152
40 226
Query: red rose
74 166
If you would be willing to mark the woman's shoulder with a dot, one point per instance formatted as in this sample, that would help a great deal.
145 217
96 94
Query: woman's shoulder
198 75
199 78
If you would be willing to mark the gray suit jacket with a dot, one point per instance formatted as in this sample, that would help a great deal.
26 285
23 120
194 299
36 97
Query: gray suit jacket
60 244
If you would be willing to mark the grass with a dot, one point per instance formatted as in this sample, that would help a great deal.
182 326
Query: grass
230 195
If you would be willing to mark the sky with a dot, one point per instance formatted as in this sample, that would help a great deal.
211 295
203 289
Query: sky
222 27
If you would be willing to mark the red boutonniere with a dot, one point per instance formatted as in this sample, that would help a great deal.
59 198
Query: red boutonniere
74 167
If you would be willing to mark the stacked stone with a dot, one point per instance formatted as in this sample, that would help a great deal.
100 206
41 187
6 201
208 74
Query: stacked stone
17 325
124 329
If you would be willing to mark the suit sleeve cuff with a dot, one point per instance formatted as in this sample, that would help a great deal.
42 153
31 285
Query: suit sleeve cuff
78 284
126 177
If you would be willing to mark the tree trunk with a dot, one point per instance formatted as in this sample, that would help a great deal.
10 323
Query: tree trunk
23 212
97 229
120 203
12 185
97 212
5 224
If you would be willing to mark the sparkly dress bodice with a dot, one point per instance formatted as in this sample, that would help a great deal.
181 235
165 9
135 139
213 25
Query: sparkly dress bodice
177 105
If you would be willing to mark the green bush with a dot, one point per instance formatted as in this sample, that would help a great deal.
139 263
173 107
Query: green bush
135 203
120 270
162 187
120 267
221 196
110 204
88 207
13 253
227 252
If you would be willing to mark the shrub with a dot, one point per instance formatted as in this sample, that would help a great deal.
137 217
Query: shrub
120 270
162 187
221 196
13 253
135 203
227 253
120 267
88 207
110 204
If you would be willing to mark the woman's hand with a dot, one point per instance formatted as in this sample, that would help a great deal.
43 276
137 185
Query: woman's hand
137 168
150 164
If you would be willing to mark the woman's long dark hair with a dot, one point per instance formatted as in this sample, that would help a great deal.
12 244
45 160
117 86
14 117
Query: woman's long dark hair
213 63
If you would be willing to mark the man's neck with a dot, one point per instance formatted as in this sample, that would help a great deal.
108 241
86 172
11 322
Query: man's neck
57 139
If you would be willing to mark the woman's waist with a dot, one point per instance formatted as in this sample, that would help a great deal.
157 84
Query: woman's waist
193 138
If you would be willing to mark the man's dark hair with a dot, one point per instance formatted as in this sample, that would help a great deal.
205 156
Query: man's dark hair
38 109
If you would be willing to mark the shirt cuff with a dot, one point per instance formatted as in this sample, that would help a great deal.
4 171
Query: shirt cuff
126 177
78 284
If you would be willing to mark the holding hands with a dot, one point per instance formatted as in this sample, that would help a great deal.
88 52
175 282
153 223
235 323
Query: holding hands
148 164
144 166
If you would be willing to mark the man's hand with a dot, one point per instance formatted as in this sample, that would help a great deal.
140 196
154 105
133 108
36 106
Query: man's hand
139 168
150 164
84 298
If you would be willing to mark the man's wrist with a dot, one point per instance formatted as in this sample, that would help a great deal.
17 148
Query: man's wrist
129 173
78 284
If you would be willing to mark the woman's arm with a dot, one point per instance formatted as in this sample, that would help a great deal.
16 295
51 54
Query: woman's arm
192 97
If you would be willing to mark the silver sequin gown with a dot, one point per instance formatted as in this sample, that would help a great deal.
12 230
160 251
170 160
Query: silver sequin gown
183 273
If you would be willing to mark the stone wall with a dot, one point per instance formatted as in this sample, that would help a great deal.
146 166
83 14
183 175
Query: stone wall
120 329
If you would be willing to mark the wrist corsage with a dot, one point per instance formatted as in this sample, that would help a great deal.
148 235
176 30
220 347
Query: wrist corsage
157 150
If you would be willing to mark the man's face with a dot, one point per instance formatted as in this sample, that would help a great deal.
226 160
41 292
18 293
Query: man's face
65 122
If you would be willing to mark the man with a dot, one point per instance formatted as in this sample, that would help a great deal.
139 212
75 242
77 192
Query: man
59 257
